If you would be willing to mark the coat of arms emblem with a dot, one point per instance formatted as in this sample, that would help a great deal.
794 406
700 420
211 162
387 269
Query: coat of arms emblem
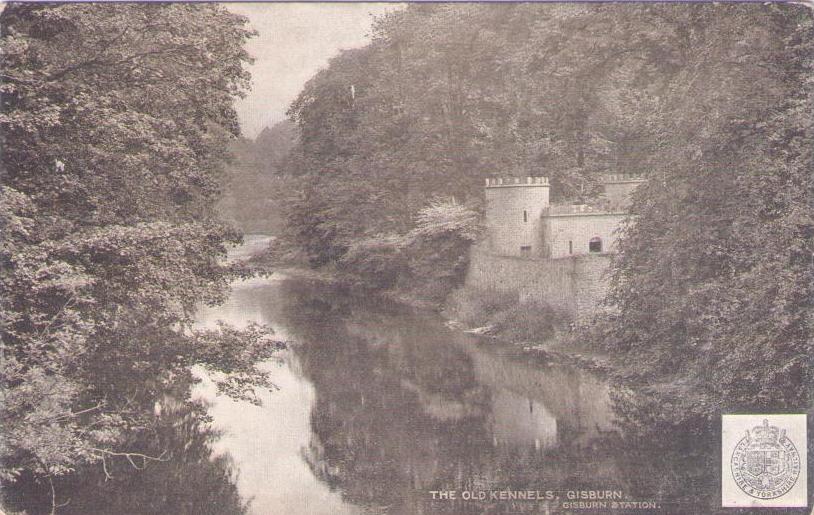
765 463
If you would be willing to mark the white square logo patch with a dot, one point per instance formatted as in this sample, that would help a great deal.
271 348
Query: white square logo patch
764 461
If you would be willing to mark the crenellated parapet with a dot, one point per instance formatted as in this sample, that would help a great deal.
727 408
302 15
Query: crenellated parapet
572 209
596 208
555 254
610 178
509 182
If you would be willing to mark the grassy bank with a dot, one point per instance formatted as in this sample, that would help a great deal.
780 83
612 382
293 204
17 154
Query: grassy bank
502 316
544 334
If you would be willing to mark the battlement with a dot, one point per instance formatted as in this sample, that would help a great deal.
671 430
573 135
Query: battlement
513 182
596 208
610 178
571 209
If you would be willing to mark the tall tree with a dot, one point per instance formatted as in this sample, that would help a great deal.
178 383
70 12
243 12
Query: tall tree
256 179
713 288
115 121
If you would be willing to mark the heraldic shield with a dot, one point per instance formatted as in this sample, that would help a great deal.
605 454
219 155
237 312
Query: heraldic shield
762 464
768 461
766 458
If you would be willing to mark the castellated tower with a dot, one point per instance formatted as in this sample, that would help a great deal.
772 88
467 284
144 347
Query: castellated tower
514 209
557 255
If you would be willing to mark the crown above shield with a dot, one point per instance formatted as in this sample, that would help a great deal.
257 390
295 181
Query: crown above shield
765 434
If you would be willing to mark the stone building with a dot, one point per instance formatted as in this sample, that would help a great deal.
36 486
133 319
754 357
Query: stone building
549 253
521 221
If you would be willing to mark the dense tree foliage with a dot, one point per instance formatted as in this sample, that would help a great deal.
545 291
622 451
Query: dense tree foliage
423 264
446 95
711 102
191 476
115 122
714 286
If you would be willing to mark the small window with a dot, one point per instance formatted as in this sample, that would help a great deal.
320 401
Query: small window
570 247
525 216
526 249
595 245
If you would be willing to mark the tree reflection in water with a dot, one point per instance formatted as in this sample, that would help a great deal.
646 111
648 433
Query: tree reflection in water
399 406
404 407
190 479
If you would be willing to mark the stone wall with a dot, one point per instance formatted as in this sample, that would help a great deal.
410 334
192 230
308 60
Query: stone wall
566 234
571 285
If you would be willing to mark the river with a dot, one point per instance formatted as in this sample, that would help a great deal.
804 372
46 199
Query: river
378 405
381 408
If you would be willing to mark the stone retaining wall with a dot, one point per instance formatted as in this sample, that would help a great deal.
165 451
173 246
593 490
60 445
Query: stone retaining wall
571 285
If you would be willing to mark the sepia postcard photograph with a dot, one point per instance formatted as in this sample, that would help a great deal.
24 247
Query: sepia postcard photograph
354 258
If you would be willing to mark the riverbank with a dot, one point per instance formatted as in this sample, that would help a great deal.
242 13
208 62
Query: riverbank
370 383
262 260
539 331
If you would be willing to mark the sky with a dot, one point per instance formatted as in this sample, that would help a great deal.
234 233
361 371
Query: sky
295 41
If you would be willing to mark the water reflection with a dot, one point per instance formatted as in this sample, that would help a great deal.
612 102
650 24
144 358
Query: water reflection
377 406
267 442
191 478
398 405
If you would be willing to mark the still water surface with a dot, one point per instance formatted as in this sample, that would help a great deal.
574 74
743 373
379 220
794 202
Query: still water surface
378 405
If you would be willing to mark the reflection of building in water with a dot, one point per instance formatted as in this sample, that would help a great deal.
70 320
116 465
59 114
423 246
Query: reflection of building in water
403 406
524 404
578 404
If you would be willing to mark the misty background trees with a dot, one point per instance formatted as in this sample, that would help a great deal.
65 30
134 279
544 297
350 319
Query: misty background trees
256 183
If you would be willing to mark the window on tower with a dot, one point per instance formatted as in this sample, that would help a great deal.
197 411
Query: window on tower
525 216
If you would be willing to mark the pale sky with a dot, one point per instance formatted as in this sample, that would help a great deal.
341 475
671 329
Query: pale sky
295 41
